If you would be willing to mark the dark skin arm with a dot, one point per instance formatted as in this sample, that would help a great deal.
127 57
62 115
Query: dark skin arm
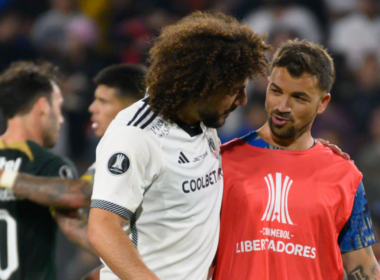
361 265
54 192
74 226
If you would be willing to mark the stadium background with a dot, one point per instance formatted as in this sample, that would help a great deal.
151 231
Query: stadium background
84 36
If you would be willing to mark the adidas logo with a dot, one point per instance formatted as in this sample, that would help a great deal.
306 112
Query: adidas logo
182 158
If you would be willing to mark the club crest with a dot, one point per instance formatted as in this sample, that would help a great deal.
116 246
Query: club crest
213 149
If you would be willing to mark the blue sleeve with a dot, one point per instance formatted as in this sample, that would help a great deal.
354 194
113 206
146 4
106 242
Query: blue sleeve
358 232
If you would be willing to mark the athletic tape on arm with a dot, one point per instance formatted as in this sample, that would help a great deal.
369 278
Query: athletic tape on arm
8 179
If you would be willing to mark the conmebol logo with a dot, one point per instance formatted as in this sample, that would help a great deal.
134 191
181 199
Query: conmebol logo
119 161
277 207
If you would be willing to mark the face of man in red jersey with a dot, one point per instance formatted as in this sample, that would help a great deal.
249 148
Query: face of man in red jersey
293 103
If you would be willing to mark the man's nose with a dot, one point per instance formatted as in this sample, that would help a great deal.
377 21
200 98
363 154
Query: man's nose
284 105
92 107
241 99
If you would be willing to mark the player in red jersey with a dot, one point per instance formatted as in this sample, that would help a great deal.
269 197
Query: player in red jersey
292 209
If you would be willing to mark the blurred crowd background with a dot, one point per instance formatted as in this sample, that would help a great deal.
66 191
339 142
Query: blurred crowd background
84 36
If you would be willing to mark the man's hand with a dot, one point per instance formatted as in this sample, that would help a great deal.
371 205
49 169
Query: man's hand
334 148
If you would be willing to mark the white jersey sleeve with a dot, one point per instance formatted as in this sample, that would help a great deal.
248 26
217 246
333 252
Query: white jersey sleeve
127 162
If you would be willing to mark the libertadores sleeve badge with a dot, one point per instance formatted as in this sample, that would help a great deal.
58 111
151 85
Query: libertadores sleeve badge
118 164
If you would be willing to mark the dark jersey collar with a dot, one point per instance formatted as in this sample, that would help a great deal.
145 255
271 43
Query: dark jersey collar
191 130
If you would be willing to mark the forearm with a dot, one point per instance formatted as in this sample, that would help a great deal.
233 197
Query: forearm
361 264
116 249
75 228
55 192
360 273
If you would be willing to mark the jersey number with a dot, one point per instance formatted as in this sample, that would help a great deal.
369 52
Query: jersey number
12 256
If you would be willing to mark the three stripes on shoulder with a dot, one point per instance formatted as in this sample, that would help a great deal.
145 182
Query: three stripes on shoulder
143 117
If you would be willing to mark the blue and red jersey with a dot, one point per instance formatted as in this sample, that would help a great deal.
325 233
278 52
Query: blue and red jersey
288 214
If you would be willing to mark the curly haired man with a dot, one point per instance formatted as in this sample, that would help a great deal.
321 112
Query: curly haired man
159 176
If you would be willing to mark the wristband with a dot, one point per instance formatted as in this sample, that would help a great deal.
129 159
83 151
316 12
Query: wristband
8 179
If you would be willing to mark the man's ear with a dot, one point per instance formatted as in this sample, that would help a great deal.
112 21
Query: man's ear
323 103
43 105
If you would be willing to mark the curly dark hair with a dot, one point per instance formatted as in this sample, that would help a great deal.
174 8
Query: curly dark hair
300 57
202 52
23 83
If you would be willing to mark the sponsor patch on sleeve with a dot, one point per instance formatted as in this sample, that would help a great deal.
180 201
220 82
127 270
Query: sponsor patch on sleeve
118 164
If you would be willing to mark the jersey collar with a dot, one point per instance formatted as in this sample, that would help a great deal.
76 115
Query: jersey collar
191 130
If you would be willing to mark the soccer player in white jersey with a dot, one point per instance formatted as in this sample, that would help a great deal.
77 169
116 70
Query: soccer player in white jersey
158 168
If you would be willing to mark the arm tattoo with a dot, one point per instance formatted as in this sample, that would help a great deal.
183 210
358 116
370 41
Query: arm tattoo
358 274
55 192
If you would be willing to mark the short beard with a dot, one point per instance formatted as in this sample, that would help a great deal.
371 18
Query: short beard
48 142
211 119
49 139
286 134
213 122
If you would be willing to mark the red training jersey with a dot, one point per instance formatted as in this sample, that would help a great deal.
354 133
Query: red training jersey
282 212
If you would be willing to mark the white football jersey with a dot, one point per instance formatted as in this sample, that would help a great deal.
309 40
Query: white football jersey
166 180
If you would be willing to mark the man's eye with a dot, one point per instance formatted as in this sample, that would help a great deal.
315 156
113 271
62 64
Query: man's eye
299 98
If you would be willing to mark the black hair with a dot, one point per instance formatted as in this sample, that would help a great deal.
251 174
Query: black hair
127 79
300 57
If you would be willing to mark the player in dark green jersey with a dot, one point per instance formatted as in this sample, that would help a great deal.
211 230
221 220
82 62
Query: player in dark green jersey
118 86
31 101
